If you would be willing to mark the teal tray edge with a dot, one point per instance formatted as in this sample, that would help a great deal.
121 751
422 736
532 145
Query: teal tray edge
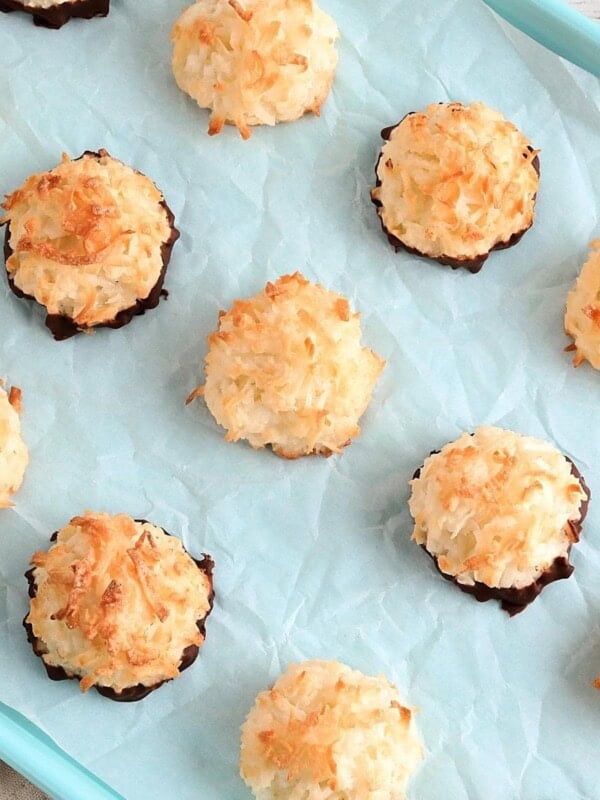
557 26
29 751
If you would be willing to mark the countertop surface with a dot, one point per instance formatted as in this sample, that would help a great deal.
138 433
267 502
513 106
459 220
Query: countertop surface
12 785
589 7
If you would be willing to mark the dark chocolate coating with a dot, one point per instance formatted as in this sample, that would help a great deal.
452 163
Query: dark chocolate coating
63 327
139 691
56 16
513 600
473 265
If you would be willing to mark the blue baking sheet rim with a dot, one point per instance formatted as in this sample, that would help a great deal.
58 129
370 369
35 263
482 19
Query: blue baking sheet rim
25 748
557 26
22 745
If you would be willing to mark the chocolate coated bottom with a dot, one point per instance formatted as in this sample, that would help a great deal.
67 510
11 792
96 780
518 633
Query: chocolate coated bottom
513 600
56 16
473 265
63 327
130 693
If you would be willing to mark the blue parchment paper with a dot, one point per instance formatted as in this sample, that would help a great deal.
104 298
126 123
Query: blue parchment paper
313 558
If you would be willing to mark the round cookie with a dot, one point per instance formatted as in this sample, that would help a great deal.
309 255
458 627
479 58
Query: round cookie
90 240
255 62
50 14
14 456
455 182
498 512
118 604
582 315
328 732
286 369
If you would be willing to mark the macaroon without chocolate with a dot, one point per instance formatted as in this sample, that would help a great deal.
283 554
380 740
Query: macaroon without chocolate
499 512
286 369
50 14
328 732
255 62
455 182
118 604
14 456
90 240
582 315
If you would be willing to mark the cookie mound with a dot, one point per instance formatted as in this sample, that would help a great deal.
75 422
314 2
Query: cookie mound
455 182
14 456
118 604
286 368
255 62
499 512
90 240
328 732
582 316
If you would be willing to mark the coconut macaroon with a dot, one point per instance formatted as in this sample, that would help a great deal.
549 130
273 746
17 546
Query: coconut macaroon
14 456
286 368
51 14
582 316
255 62
498 512
328 732
119 604
90 240
455 182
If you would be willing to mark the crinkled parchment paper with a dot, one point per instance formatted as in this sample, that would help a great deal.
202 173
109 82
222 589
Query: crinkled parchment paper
313 558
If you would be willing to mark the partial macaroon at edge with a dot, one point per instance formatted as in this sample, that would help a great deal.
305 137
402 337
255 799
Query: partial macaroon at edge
14 456
47 14
582 312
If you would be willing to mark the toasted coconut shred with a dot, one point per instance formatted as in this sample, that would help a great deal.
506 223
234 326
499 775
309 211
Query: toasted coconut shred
286 368
582 316
456 181
495 507
117 602
255 62
86 238
14 456
327 732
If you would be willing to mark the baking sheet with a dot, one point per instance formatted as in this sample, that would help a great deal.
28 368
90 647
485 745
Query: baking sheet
313 558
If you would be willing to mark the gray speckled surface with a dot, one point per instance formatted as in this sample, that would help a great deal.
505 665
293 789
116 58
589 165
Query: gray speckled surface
590 7
14 787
